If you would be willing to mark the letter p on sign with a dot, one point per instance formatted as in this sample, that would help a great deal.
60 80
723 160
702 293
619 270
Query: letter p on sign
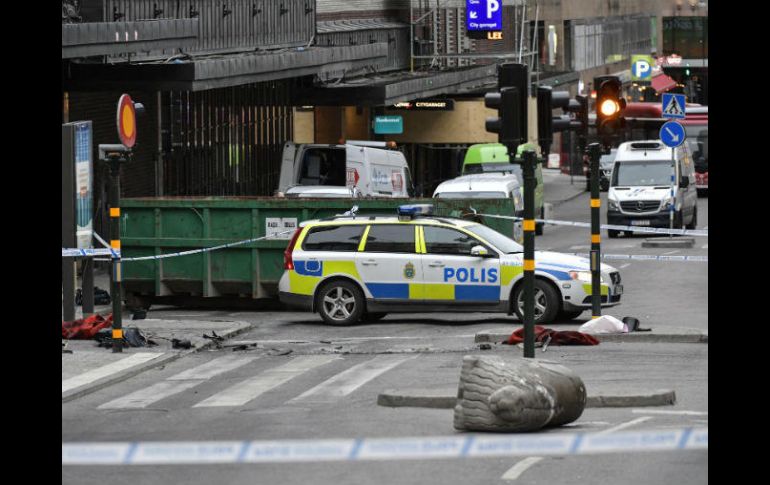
492 7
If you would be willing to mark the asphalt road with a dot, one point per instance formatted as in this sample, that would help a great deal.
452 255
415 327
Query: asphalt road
310 381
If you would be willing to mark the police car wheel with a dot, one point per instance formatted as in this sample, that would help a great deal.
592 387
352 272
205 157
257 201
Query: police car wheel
546 302
612 233
340 303
374 316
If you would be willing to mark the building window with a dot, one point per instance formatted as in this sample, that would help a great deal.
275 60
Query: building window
686 37
595 42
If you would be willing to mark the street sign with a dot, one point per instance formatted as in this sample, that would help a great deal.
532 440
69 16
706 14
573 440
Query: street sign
126 121
673 105
483 15
388 125
641 67
672 134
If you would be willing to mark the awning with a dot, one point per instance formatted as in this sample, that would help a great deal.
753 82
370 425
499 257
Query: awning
662 83
218 71
388 89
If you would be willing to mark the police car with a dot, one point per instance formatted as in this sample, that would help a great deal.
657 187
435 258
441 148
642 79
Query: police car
355 267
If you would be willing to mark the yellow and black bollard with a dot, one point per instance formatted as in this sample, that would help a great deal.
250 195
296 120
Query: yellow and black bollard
115 155
594 152
528 171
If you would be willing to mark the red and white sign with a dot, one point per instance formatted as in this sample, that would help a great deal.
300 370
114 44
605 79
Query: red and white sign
351 177
397 181
126 121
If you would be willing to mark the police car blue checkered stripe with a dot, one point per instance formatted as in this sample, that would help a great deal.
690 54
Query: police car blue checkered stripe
477 292
389 290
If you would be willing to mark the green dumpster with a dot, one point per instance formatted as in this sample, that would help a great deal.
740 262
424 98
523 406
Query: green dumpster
158 226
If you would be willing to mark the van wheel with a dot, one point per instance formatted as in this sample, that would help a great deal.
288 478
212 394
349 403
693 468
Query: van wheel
374 316
340 302
694 222
612 233
547 302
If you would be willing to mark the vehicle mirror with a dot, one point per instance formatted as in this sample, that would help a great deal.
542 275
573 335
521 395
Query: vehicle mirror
684 182
479 251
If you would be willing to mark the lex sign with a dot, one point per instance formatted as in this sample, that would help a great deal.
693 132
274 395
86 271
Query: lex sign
483 15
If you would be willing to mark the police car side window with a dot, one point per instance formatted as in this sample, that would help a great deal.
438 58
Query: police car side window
333 238
390 238
441 240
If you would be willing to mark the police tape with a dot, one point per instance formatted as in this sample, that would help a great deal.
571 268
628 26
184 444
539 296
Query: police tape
88 252
73 252
467 446
652 230
647 257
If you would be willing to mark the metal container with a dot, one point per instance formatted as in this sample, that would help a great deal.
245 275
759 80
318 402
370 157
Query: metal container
156 226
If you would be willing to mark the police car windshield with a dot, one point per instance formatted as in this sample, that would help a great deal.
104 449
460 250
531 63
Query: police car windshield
642 173
503 243
472 195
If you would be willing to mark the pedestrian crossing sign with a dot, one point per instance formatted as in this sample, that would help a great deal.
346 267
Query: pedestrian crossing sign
673 105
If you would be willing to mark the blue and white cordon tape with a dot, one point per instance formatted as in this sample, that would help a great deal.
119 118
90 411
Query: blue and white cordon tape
647 257
417 448
69 252
653 230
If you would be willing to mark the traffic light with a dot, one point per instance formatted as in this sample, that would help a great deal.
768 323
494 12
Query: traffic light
579 106
609 106
506 124
544 120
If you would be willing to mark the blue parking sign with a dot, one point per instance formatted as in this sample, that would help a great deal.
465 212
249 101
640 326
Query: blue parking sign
481 15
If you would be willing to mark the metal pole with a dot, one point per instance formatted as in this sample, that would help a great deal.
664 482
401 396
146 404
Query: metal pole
594 150
673 199
88 287
529 251
114 202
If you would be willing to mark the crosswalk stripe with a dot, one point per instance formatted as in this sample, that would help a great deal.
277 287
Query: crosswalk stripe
250 389
109 369
348 381
144 397
212 368
177 383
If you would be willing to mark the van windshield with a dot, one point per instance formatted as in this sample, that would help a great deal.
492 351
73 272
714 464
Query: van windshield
493 167
642 173
323 166
472 195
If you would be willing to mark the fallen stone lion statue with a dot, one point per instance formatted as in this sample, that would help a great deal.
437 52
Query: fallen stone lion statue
516 394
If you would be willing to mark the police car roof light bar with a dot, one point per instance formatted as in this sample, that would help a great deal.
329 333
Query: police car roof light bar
413 210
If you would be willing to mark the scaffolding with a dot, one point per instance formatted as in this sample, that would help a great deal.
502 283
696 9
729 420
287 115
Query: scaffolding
439 39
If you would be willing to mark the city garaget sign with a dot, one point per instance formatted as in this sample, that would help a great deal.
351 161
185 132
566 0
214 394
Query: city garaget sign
483 15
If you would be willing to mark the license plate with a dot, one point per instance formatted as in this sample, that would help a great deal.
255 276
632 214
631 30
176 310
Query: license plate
617 290
642 222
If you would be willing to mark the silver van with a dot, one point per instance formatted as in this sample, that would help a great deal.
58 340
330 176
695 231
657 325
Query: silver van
640 186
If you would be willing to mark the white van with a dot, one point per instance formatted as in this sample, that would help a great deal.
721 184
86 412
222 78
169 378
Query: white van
366 166
640 186
486 186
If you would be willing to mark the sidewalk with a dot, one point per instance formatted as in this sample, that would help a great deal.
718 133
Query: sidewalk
558 188
89 367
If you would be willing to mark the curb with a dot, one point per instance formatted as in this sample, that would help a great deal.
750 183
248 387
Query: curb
631 337
664 397
446 399
669 243
157 362
571 197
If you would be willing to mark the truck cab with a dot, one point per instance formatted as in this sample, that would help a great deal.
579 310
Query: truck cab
368 167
